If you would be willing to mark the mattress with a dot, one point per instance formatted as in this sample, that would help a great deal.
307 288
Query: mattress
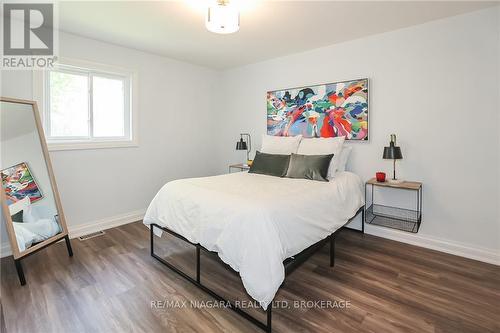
254 222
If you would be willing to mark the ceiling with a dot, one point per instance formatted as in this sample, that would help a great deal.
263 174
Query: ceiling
268 29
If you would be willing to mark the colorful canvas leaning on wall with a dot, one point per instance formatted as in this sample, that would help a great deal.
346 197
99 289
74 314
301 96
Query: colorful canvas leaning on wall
326 110
18 183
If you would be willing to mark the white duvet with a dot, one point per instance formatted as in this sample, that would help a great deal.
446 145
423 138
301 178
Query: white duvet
254 222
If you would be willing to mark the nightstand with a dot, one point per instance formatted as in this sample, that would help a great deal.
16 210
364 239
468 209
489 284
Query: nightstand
394 217
240 167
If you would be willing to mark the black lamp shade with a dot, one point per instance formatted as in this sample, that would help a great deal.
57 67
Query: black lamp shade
392 152
241 145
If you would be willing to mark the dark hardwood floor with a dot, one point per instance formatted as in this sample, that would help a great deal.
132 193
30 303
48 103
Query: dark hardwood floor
113 285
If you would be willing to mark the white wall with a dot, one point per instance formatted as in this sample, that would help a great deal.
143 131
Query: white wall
175 134
436 85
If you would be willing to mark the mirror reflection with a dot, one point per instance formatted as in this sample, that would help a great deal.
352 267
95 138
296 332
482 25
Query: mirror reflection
25 179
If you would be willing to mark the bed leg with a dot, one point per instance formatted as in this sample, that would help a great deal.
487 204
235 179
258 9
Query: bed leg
332 250
151 243
269 328
198 263
363 220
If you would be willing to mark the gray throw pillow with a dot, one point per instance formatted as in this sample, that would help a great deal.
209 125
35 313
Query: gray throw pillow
17 217
270 164
314 167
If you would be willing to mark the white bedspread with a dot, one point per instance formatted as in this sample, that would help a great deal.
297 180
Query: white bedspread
254 221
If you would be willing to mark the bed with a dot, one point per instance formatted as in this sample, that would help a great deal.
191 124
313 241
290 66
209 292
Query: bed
256 223
33 223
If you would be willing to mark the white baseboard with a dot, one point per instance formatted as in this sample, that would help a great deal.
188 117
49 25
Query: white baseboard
106 223
455 248
87 228
442 245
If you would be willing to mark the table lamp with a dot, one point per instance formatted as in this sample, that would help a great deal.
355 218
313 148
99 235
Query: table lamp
245 144
393 152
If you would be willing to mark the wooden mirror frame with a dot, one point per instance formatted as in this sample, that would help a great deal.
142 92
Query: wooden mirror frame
6 212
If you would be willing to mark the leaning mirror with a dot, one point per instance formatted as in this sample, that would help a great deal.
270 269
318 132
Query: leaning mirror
30 202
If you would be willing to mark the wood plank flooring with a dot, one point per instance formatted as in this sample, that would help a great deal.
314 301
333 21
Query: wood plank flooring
112 284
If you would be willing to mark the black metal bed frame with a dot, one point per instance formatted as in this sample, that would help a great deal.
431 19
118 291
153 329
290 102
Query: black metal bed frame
290 264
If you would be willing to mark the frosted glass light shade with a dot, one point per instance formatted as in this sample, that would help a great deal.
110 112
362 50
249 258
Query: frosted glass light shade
222 19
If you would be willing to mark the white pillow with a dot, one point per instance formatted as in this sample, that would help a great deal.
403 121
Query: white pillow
284 145
19 205
323 146
344 157
29 215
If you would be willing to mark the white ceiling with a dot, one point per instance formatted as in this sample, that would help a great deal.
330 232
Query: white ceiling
269 29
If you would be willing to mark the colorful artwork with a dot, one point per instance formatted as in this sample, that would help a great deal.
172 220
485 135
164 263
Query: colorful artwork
18 183
327 110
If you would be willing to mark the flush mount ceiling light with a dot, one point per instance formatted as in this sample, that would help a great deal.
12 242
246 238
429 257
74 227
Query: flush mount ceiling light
222 18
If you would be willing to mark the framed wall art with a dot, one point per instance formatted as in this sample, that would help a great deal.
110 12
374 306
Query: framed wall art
18 183
325 110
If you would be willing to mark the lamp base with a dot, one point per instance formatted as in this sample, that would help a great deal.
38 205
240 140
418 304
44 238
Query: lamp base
395 181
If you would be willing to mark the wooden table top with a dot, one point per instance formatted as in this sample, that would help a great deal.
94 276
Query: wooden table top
240 165
410 185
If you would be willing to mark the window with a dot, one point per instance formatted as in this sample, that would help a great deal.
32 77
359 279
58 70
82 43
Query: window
87 107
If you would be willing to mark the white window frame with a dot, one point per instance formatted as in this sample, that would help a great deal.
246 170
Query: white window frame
42 96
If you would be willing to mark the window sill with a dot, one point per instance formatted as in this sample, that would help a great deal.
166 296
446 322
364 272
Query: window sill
57 146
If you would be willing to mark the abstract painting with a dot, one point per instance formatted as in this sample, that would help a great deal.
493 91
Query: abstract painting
18 183
326 110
